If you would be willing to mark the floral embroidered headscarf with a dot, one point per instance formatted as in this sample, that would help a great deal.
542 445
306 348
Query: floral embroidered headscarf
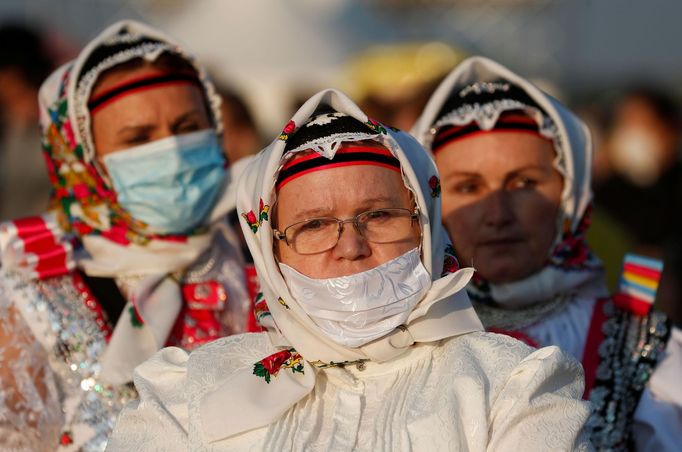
495 92
275 383
82 197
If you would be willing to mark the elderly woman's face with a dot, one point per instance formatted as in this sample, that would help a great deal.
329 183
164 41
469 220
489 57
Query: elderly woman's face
148 115
501 198
342 192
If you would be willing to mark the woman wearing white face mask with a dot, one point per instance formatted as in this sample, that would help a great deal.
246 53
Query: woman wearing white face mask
371 342
135 253
516 167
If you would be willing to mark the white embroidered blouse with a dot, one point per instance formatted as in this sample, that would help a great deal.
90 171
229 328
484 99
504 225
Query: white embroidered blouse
475 392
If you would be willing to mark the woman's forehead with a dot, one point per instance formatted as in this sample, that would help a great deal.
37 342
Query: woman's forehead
490 151
344 186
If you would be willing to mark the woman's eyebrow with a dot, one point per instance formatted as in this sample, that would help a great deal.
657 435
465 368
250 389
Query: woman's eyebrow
312 213
327 212
135 129
183 117
520 170
462 174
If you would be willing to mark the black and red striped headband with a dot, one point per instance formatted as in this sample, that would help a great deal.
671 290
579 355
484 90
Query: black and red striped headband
140 84
508 122
346 156
479 95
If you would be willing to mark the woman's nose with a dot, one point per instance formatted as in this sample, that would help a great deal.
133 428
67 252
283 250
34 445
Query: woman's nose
498 209
351 245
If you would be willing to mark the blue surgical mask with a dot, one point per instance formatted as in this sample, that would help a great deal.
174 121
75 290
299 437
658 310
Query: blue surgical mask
170 184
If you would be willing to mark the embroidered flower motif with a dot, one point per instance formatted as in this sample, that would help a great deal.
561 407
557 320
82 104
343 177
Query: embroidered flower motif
251 219
573 251
135 317
375 126
66 439
283 303
288 129
254 221
434 185
450 264
260 308
271 365
263 210
81 191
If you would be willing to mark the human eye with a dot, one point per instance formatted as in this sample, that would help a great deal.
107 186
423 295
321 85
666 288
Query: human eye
523 182
136 139
467 187
380 214
313 225
187 127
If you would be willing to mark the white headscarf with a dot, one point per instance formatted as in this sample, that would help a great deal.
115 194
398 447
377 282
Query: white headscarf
570 267
445 310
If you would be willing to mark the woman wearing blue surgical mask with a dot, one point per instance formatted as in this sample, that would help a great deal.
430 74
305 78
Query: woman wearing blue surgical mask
134 253
371 341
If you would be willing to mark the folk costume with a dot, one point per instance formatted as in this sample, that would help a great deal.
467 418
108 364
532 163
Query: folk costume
88 291
628 350
398 362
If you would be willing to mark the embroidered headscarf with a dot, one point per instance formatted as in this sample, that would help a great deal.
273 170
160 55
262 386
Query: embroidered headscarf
481 95
82 197
445 310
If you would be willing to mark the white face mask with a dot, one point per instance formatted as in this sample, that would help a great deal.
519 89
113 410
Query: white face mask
356 309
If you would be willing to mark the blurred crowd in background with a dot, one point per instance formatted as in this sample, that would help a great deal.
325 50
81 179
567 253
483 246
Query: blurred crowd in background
634 114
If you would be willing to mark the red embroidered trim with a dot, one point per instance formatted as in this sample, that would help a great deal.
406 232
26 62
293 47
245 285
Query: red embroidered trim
595 336
253 288
92 304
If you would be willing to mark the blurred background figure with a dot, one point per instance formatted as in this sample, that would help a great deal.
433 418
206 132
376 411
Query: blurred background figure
24 64
639 185
393 82
241 136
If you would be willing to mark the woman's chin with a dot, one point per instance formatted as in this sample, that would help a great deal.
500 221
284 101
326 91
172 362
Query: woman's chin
504 271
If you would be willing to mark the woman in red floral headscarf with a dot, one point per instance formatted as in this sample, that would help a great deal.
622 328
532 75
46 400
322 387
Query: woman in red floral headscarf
135 252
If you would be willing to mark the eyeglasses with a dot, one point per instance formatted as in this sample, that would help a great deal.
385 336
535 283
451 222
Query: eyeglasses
317 235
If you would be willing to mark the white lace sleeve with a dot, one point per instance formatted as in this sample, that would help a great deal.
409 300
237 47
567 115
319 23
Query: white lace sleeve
158 421
540 406
30 411
658 417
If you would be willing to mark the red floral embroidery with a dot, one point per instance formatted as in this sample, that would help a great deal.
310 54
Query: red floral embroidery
260 308
573 251
375 126
271 365
254 221
66 439
450 263
434 184
288 129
